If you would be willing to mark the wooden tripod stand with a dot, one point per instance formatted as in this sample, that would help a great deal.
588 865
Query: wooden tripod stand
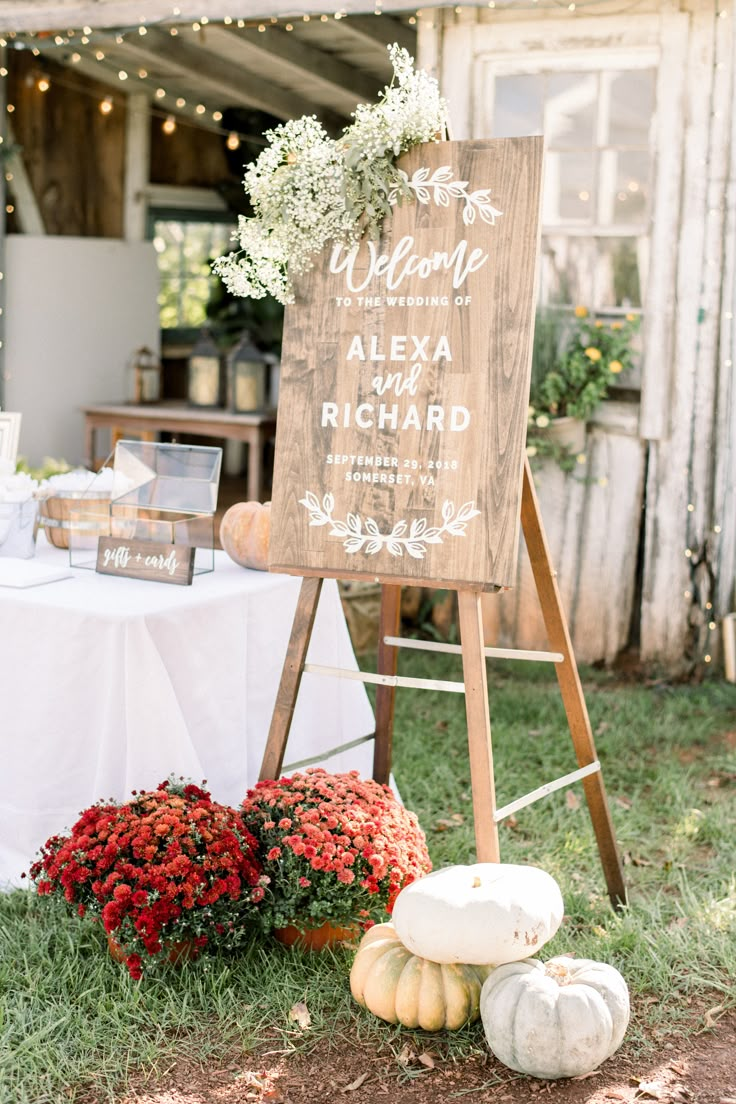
475 688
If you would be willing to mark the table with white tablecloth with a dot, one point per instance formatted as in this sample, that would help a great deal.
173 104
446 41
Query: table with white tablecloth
112 684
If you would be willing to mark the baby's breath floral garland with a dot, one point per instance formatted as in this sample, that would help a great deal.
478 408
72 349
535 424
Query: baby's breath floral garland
308 189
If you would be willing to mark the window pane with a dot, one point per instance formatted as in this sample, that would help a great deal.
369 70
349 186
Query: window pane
568 187
518 107
185 250
632 107
617 277
567 270
570 110
632 187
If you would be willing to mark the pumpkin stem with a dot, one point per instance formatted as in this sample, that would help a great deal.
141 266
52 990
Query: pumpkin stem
476 882
560 973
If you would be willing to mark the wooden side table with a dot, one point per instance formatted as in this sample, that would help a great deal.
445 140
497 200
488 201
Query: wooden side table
146 422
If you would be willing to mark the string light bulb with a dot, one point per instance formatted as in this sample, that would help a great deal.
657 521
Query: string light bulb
43 84
233 141
169 125
106 105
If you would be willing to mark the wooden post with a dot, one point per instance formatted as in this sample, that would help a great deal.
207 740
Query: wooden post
479 726
291 677
389 624
545 579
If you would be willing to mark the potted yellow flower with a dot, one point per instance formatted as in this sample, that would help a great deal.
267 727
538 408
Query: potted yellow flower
593 355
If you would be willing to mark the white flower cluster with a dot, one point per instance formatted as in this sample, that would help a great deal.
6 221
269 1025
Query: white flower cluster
308 189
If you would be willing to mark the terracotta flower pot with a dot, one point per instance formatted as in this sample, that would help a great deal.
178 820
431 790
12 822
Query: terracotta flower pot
566 431
316 939
178 952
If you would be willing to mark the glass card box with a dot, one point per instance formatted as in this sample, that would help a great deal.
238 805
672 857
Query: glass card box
160 492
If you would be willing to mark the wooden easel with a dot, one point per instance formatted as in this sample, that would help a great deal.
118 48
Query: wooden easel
475 688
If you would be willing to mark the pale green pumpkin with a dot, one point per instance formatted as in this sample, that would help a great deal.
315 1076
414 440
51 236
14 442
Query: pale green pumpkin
400 987
561 1019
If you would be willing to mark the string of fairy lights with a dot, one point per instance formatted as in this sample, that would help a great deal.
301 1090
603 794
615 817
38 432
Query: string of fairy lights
85 45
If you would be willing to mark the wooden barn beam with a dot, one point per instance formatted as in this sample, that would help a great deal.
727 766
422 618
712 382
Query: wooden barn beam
234 86
381 32
295 54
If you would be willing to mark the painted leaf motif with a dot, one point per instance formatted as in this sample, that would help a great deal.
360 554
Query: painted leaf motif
456 528
489 215
372 528
372 547
467 511
311 501
468 214
339 529
415 549
420 174
398 529
353 523
457 188
395 548
417 527
328 503
448 509
353 544
441 197
422 195
318 519
442 174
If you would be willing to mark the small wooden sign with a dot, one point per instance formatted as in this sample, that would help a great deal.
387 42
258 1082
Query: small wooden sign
405 381
151 560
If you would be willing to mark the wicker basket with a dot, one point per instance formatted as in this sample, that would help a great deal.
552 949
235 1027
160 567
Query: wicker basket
56 515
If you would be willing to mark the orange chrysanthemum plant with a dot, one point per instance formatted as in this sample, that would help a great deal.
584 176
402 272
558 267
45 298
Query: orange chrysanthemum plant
335 848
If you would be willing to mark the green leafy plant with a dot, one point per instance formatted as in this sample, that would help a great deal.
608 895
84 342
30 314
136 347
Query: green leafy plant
596 353
573 368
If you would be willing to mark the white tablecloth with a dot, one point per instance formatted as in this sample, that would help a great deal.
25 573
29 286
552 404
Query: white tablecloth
110 684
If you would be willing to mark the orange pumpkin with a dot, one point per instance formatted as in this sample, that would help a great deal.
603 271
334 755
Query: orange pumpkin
244 534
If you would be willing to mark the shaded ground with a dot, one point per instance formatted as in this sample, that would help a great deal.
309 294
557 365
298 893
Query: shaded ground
700 1070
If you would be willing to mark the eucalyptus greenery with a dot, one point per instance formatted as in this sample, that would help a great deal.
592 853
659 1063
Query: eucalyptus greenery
308 189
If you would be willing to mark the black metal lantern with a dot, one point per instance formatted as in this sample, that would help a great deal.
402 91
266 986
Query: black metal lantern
146 370
204 383
247 371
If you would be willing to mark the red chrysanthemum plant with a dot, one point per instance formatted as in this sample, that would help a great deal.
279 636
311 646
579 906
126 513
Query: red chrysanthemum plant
334 847
170 866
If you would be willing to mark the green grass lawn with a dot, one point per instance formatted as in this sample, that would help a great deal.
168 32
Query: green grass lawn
73 1024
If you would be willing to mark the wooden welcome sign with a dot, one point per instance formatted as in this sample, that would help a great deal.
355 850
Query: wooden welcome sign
405 381
400 450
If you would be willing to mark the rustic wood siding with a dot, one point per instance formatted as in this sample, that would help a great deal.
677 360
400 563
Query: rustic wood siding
592 521
74 156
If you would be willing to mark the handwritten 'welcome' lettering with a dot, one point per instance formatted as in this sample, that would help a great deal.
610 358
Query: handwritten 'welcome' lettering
402 262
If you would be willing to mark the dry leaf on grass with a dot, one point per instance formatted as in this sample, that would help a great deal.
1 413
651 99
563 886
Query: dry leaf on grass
299 1013
426 1059
572 800
357 1082
647 1089
713 1015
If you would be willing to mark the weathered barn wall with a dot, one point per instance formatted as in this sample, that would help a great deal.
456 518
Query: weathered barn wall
677 470
74 156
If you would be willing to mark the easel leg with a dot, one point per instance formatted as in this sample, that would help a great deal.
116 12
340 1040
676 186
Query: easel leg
291 676
389 624
570 687
479 726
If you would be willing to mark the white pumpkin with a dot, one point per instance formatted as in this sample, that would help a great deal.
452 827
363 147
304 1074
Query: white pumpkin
561 1019
398 987
489 912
